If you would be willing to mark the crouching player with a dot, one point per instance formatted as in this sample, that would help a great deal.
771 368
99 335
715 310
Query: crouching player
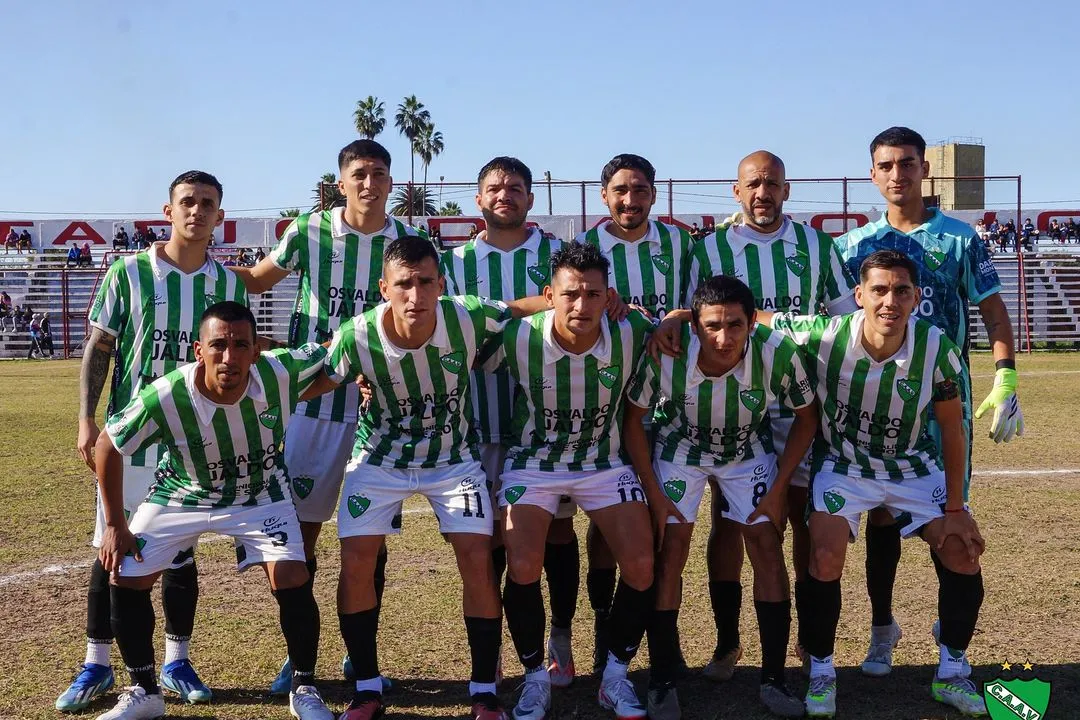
715 422
878 372
221 421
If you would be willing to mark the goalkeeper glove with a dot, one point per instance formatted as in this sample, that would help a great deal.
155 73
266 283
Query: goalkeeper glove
1008 419
735 218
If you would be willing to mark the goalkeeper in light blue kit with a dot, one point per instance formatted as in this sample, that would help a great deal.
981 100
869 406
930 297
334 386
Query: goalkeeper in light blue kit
955 271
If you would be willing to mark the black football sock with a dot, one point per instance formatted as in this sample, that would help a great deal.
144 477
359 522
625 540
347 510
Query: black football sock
664 655
360 632
133 627
380 575
98 615
485 639
726 599
774 628
823 604
882 558
524 608
498 561
600 584
960 598
299 618
562 564
630 612
179 597
800 608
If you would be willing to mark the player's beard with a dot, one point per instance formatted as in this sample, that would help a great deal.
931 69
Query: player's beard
643 214
763 222
494 221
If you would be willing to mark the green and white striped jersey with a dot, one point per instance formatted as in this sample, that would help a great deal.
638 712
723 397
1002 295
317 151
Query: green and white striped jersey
420 414
339 271
477 268
709 421
651 272
219 455
873 414
568 408
796 268
152 308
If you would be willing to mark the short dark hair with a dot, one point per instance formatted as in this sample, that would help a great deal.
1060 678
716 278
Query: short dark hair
581 257
197 177
897 136
410 250
229 311
509 166
628 161
362 150
887 260
722 290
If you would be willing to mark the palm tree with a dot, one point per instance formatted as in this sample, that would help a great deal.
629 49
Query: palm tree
429 144
450 209
369 117
291 212
327 194
410 119
419 199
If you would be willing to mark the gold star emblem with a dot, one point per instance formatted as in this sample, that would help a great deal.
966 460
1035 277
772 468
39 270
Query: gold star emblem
1027 666
1006 665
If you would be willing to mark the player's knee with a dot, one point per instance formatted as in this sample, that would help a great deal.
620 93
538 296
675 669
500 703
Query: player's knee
762 541
637 570
357 562
525 564
288 575
826 563
954 556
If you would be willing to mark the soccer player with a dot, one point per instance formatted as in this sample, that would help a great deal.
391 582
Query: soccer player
338 254
417 436
954 270
649 262
712 421
512 261
877 374
221 420
146 314
571 365
789 267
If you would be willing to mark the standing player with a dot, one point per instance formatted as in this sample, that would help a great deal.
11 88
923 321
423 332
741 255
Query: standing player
512 261
571 365
221 420
789 267
878 372
338 254
713 404
955 270
649 262
417 436
146 314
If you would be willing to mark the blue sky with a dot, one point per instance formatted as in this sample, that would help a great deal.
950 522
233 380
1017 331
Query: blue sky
105 102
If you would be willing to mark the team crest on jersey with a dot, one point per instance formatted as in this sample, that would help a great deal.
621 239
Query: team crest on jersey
752 399
140 543
302 485
210 299
609 376
907 389
797 263
453 362
934 259
538 275
662 262
269 417
834 501
675 489
358 505
513 494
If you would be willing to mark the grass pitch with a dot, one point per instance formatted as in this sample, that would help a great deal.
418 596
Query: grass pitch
1029 516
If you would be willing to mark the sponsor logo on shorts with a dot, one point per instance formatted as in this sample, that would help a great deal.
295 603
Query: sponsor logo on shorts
662 262
514 493
358 505
609 376
271 521
269 417
934 259
907 389
939 493
752 399
453 362
834 501
675 489
470 483
538 275
796 263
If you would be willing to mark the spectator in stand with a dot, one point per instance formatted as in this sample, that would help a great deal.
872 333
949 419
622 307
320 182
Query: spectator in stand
981 231
73 255
472 233
1011 239
17 322
1072 230
230 261
11 241
86 259
34 328
5 313
1054 231
436 237
5 300
121 239
259 256
695 232
1029 234
161 236
46 334
25 243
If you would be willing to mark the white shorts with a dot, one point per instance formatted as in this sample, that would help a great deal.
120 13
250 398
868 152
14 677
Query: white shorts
780 428
740 486
262 533
591 489
913 503
372 496
492 457
316 452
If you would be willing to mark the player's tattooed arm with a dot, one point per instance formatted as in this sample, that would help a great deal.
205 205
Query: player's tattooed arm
95 370
999 328
946 390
